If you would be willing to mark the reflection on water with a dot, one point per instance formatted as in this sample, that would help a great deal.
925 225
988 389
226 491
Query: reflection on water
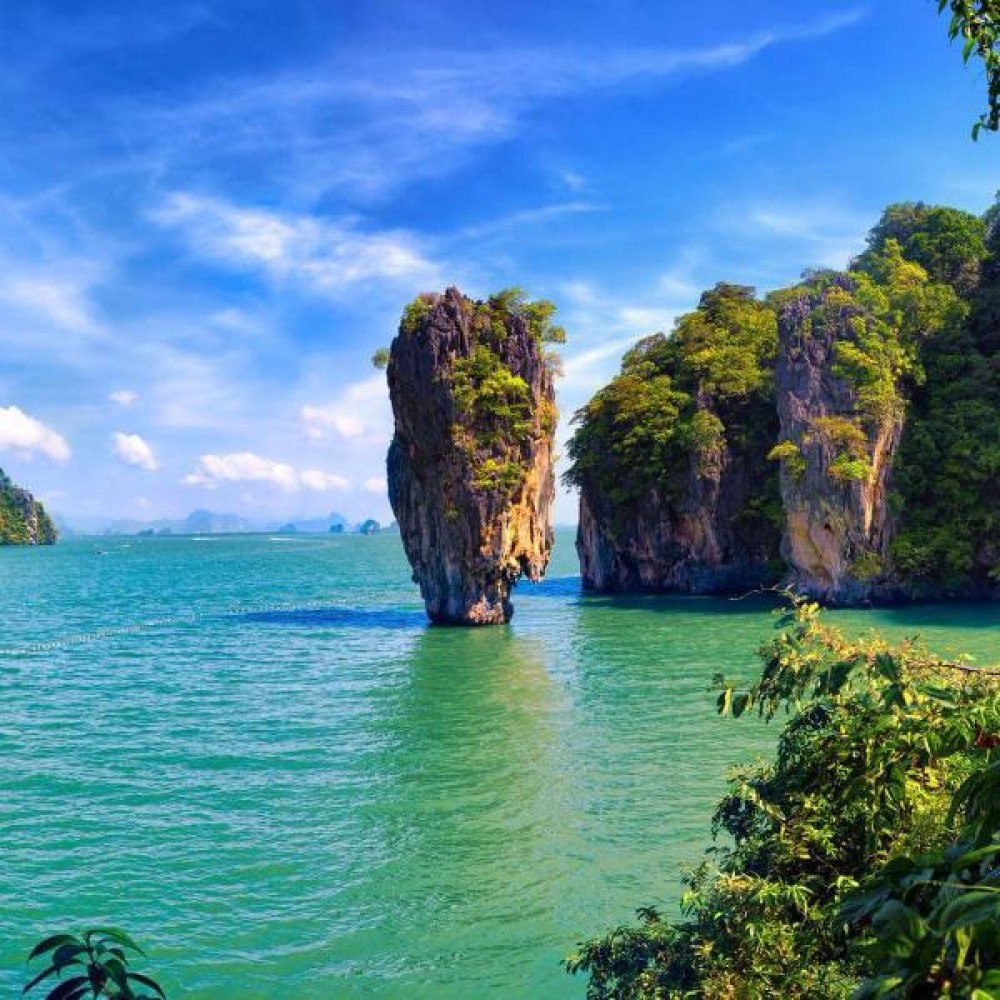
479 719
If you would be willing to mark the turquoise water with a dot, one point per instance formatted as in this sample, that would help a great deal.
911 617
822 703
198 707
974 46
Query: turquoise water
253 754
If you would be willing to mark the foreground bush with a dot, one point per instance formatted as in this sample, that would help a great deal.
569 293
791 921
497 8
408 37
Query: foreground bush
865 860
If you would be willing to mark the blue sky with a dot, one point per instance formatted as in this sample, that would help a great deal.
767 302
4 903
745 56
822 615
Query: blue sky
212 213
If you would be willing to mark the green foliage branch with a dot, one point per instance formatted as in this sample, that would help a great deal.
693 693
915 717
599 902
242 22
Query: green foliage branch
884 749
977 23
96 963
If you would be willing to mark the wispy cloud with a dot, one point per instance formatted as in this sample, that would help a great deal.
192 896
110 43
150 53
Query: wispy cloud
525 217
27 436
817 231
246 467
386 120
134 450
360 412
123 397
328 256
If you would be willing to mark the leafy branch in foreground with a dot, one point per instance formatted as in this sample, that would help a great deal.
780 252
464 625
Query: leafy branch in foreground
977 22
97 961
840 863
935 919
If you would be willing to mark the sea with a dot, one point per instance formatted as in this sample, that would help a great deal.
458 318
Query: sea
254 754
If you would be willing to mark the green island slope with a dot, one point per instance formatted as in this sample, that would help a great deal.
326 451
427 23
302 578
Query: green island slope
876 393
23 520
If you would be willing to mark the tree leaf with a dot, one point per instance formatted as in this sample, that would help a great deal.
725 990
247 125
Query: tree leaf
147 981
115 934
70 986
51 942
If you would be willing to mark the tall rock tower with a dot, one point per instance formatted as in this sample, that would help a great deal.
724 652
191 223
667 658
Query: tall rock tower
470 471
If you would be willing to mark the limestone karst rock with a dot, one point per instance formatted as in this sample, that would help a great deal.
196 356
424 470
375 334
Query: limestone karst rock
470 465
838 456
676 493
23 520
876 392
694 542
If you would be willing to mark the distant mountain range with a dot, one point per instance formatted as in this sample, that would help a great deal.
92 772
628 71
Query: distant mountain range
207 522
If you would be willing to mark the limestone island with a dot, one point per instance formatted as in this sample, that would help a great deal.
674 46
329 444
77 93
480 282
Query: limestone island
839 437
23 520
470 467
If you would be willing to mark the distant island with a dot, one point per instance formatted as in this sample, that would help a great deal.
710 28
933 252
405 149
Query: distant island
23 520
207 522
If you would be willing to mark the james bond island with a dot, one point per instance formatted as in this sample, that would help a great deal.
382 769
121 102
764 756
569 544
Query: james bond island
470 471
841 436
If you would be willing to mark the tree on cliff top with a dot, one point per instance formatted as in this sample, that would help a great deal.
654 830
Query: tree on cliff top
677 394
948 243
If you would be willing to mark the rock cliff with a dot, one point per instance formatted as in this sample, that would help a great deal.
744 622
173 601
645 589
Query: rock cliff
837 458
676 493
707 541
470 465
23 520
877 392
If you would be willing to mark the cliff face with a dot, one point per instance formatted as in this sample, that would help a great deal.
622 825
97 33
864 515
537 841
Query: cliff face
470 464
710 539
23 520
676 493
837 460
879 396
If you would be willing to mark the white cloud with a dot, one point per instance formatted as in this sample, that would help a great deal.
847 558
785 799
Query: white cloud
376 484
246 467
328 256
821 232
241 467
123 397
133 450
144 502
25 434
361 411
320 420
314 479
58 300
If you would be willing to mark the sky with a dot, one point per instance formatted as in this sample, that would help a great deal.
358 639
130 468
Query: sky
212 213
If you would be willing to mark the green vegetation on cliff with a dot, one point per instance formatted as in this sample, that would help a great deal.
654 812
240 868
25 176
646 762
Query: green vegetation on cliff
863 861
679 400
23 520
498 417
913 329
946 487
